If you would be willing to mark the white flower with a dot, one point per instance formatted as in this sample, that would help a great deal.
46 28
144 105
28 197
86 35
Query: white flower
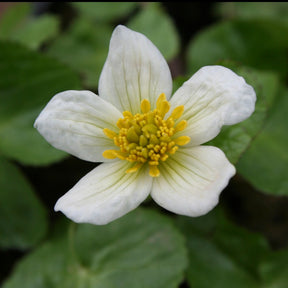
148 145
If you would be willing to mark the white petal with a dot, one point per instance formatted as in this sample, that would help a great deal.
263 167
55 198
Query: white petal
214 96
106 193
134 70
190 182
73 121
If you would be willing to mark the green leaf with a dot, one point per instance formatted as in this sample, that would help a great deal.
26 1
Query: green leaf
252 10
84 47
245 42
154 23
23 219
28 80
142 249
105 11
230 255
274 270
13 18
36 31
18 25
265 163
234 140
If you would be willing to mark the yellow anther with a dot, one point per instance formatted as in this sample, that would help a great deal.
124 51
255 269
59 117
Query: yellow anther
131 146
150 147
157 148
109 154
134 168
161 98
164 157
109 133
154 171
165 138
163 149
177 112
171 131
122 123
154 162
132 135
171 144
170 122
120 155
164 108
127 114
182 140
173 150
145 106
180 126
150 118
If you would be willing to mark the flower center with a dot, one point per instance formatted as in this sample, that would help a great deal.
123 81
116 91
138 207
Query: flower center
147 136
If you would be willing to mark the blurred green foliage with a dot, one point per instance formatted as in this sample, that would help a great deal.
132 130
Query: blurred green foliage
17 25
23 218
257 43
153 22
265 162
41 55
105 12
82 50
231 256
142 249
253 10
24 74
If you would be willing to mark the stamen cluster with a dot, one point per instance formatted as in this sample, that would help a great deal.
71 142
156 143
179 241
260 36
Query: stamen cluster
147 136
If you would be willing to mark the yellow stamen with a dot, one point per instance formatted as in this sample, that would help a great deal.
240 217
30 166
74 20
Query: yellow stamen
180 126
121 123
131 146
161 98
120 155
109 154
182 140
127 114
109 133
154 171
134 168
173 150
145 106
147 138
150 118
164 157
164 108
177 112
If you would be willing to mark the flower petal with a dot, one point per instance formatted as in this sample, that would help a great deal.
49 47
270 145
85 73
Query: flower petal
73 121
134 70
191 180
106 193
214 96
